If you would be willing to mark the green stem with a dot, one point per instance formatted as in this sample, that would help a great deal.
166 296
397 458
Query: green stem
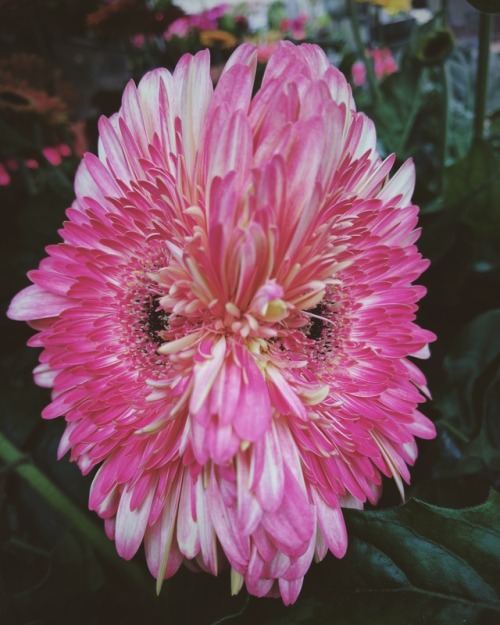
370 73
443 147
444 13
485 26
19 463
460 435
415 107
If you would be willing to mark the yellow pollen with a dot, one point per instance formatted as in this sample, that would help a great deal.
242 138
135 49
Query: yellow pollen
232 309
275 310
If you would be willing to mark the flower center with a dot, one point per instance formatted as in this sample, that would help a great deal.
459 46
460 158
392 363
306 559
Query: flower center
327 326
155 319
315 329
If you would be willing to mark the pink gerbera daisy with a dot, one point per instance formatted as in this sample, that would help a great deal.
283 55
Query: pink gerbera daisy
227 322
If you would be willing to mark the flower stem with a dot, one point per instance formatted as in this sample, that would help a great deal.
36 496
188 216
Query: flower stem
370 73
485 25
18 462
410 122
460 435
443 147
444 13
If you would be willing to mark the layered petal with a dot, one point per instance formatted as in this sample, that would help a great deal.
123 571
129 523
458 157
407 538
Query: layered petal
229 321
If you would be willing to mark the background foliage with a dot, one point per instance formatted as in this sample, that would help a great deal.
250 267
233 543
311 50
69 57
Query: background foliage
435 559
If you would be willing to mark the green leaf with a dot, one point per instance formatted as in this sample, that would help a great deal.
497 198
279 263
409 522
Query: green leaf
470 403
413 564
474 184
392 118
486 6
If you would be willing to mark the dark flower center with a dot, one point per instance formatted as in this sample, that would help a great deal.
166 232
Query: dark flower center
156 319
315 329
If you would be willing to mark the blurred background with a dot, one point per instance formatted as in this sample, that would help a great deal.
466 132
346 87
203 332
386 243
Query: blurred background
428 73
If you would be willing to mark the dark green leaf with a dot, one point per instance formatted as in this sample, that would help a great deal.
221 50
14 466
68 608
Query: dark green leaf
471 402
474 183
486 6
414 564
11 140
391 116
70 579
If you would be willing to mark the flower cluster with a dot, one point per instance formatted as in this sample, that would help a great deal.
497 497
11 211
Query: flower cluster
227 322
384 64
218 27
37 106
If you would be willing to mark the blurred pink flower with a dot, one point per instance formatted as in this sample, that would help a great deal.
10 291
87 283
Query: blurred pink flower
265 50
295 27
53 155
32 163
4 176
64 150
206 20
179 28
384 64
358 73
227 322
138 40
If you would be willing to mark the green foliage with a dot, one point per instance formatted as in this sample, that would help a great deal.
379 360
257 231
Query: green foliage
486 6
470 400
414 564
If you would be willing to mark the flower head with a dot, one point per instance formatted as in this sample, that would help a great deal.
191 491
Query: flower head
227 322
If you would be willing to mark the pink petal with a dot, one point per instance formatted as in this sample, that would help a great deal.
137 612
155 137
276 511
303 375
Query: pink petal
34 302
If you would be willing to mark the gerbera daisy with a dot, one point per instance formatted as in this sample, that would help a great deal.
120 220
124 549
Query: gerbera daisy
227 322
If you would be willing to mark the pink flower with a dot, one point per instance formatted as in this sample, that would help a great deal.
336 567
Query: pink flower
227 322
384 64
52 155
138 40
32 163
64 150
206 20
4 176
265 50
179 28
358 73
